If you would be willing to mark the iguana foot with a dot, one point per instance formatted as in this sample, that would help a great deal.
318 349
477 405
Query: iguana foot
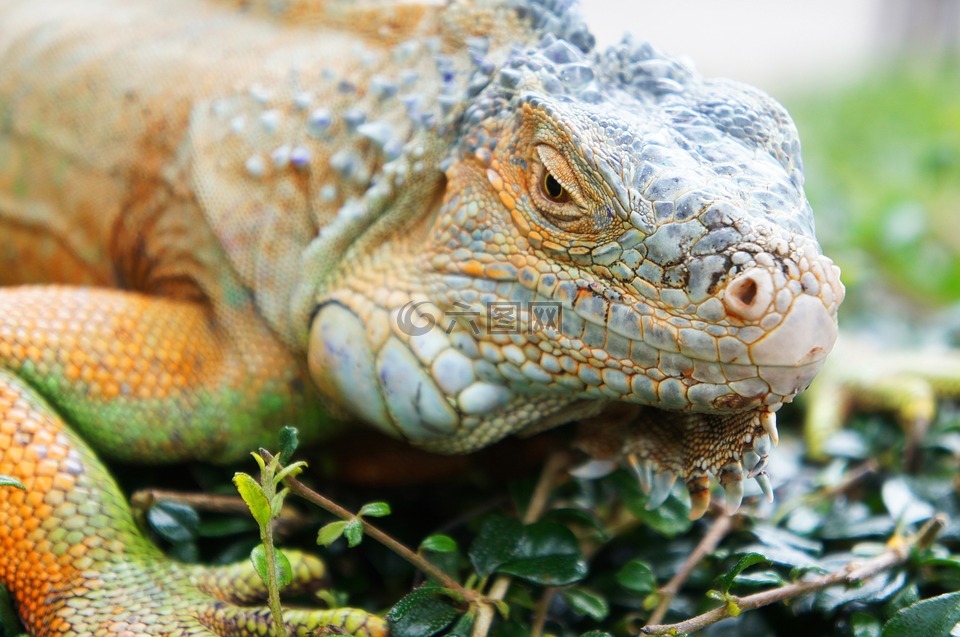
663 447
236 585
907 383
76 563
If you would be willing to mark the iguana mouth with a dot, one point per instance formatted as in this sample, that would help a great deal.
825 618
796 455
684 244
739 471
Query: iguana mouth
766 342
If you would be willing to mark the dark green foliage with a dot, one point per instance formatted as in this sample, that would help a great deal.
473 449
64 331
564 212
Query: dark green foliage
935 616
174 522
425 612
543 552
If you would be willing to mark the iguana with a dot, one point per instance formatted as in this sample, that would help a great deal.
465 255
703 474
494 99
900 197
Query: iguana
451 222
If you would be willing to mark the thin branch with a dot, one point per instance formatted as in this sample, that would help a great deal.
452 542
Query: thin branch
538 503
851 479
540 616
897 552
298 488
549 477
708 543
290 519
485 612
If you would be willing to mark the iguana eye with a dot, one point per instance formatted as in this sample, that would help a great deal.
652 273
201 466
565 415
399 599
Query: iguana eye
552 190
555 188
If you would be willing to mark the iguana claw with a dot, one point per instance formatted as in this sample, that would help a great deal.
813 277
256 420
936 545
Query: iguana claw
662 447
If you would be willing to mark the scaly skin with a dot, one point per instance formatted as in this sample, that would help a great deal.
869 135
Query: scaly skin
77 564
241 219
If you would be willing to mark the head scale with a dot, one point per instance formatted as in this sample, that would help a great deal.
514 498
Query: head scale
616 227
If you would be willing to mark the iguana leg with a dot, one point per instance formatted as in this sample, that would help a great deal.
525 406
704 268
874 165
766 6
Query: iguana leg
905 383
77 564
145 379
148 379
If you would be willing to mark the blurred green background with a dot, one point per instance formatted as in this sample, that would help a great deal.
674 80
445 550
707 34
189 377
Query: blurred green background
882 160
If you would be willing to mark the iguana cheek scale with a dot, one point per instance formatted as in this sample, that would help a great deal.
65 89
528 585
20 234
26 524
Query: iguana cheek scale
230 218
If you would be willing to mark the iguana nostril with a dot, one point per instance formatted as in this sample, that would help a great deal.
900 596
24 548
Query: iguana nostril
746 292
749 295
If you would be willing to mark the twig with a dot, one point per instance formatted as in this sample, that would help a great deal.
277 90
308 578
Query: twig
854 476
708 543
289 521
898 551
555 464
298 488
540 617
538 503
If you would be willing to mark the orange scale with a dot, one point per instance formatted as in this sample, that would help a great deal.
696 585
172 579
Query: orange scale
77 550
25 468
48 467
34 499
40 483
63 482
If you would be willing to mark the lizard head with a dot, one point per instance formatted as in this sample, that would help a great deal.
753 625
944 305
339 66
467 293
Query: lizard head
663 214
617 228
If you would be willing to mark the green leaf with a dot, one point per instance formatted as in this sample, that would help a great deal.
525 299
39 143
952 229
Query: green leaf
544 552
873 591
257 556
929 617
760 579
570 516
509 628
442 552
9 623
439 544
284 572
669 519
636 576
353 531
292 470
276 505
289 441
252 493
494 544
330 533
174 522
596 633
745 562
424 612
259 459
587 603
7 481
903 503
284 568
865 625
548 570
943 562
375 509
463 627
